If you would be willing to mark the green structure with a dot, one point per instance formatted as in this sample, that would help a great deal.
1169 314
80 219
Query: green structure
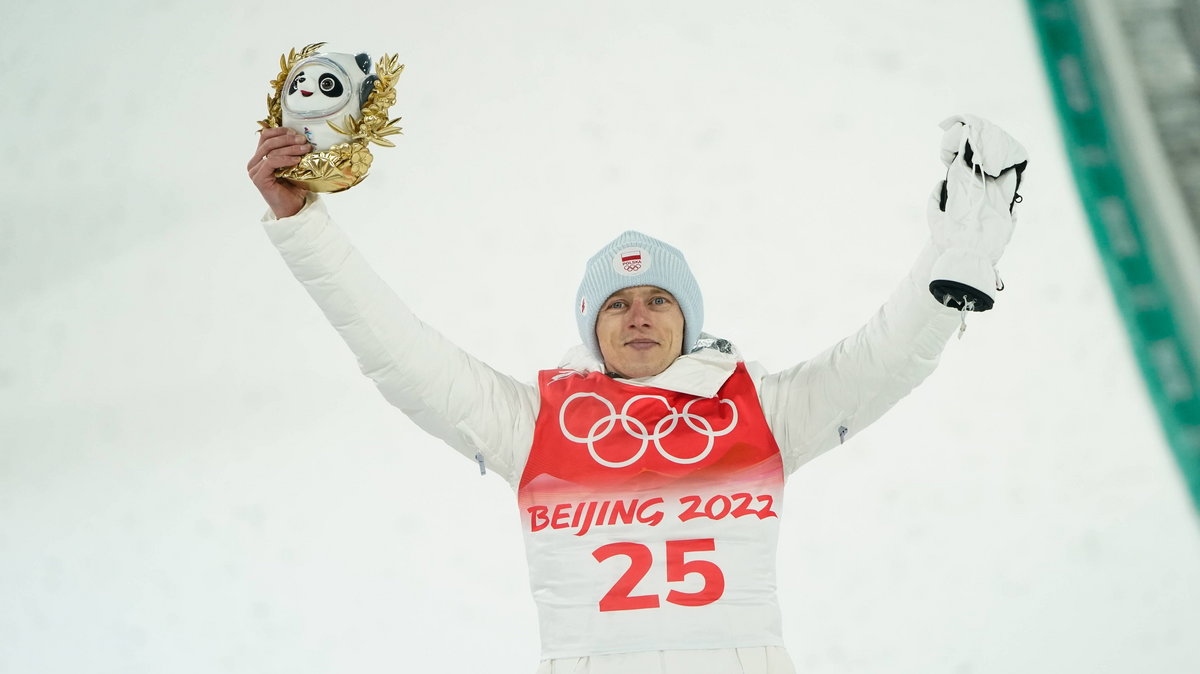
1125 75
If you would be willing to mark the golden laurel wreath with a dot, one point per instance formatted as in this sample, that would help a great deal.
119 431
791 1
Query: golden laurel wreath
344 165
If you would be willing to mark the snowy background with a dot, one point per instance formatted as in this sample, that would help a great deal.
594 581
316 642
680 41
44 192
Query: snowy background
195 478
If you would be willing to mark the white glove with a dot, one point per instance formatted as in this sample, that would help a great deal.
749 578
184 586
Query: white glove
970 212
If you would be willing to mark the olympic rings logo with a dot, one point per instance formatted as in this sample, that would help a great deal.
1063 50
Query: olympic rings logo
638 430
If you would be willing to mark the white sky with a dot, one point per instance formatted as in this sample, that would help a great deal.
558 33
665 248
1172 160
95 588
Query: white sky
195 478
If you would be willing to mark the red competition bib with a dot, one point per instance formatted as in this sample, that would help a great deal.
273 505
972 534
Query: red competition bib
651 517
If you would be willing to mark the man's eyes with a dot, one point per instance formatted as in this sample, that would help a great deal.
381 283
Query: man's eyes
621 304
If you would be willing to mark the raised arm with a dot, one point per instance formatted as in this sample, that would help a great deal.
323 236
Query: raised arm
818 404
450 394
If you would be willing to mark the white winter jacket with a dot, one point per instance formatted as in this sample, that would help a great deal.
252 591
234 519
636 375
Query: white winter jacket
489 416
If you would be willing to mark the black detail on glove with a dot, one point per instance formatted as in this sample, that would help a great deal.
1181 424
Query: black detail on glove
1017 197
959 296
968 156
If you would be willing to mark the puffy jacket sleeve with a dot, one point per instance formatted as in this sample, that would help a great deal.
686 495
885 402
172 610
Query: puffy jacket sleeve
821 402
447 392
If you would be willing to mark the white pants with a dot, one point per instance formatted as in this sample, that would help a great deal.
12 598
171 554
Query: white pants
756 660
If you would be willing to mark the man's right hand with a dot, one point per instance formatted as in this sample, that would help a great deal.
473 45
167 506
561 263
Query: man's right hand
278 148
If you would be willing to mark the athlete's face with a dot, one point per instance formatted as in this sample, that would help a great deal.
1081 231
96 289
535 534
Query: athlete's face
640 331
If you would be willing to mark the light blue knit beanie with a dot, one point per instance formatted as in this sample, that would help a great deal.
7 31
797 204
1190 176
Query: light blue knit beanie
634 259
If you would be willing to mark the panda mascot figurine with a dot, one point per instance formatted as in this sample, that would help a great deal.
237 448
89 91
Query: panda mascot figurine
340 103
326 88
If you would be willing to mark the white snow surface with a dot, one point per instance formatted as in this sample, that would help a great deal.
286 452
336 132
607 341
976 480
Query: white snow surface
194 477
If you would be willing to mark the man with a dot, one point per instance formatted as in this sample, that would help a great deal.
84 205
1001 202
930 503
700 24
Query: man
649 467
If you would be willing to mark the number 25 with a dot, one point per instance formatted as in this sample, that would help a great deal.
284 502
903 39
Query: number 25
640 561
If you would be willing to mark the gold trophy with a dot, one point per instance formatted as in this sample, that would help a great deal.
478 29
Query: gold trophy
340 102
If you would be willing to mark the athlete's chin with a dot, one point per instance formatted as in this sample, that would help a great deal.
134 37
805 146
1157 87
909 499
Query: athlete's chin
638 368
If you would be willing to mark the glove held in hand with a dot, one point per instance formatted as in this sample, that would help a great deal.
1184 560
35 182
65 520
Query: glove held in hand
970 212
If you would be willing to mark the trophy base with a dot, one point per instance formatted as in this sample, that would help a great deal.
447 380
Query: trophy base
339 168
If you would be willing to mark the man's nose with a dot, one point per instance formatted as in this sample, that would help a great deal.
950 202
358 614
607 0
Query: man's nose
639 316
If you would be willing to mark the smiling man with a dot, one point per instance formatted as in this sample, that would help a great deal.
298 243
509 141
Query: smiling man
640 332
627 314
649 466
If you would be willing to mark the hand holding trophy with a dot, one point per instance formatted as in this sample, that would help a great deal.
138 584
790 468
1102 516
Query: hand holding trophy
325 110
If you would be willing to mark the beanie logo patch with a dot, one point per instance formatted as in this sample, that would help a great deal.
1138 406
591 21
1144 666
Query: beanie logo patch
582 306
631 261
